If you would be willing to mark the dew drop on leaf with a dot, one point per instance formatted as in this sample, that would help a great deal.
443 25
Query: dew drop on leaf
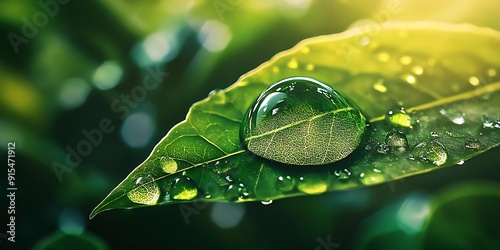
302 121
236 192
472 143
342 174
397 141
218 95
312 184
382 148
268 202
453 115
221 167
168 165
433 152
285 183
183 188
487 122
372 178
399 118
145 191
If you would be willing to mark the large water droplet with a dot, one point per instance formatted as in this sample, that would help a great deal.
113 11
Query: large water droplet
145 191
301 121
183 188
433 152
168 165
285 183
236 192
312 184
397 141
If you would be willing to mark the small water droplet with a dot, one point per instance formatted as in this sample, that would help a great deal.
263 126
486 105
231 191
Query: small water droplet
382 148
236 192
433 152
400 118
472 143
474 81
312 184
461 162
379 86
218 95
397 141
221 167
229 178
417 70
434 134
454 116
372 178
285 183
342 174
383 56
183 188
293 64
168 165
269 202
405 60
145 191
487 122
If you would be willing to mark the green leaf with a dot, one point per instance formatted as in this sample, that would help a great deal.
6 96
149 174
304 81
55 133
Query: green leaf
444 76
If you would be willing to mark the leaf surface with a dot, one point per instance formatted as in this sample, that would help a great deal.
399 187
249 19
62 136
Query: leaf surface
445 77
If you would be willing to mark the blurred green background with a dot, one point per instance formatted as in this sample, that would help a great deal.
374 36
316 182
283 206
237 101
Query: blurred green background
65 66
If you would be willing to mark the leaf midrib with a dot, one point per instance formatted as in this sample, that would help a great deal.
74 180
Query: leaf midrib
298 123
